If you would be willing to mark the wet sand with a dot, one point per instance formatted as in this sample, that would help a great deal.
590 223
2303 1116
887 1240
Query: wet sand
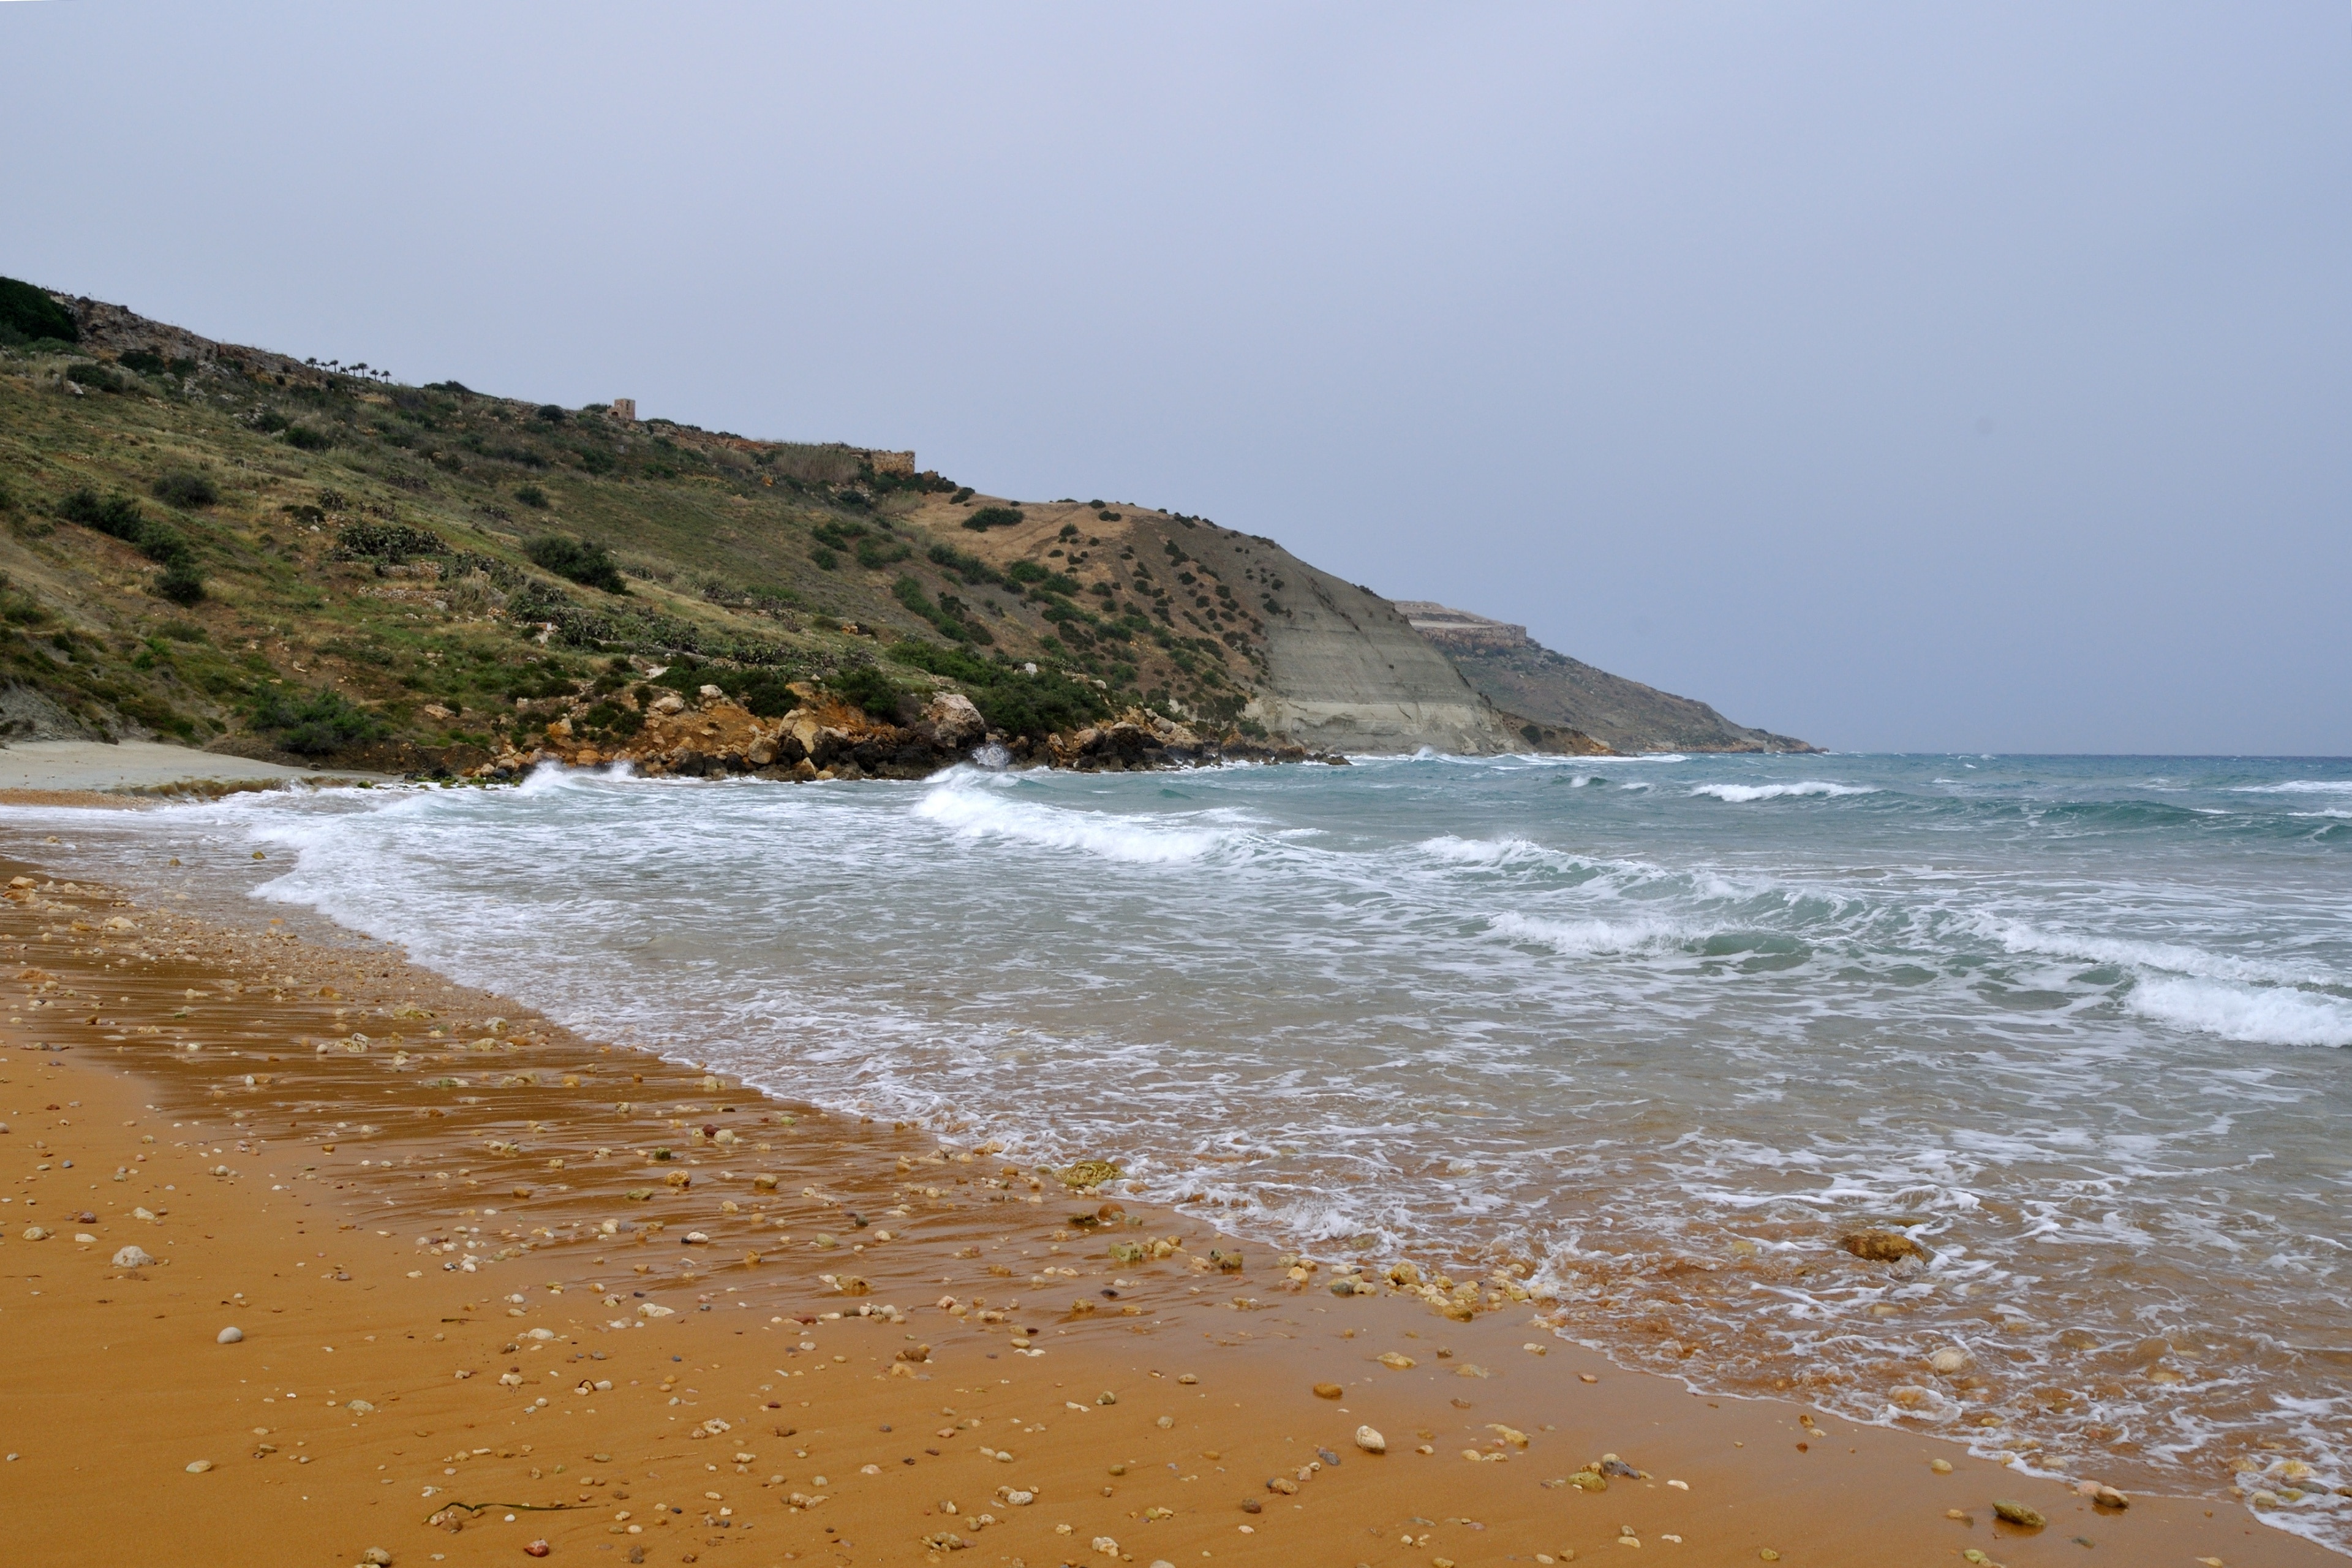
91 766
803 1339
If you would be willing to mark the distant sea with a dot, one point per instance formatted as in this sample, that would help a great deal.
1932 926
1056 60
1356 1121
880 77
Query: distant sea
1653 1033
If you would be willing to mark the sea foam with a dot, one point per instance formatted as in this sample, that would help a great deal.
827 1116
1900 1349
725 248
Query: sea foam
1741 793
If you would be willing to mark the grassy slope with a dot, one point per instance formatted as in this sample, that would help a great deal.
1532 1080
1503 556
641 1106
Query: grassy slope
744 562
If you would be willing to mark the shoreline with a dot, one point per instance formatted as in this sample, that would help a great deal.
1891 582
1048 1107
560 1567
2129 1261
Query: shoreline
313 1060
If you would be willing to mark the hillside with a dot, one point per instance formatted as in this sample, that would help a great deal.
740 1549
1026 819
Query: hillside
230 548
1514 671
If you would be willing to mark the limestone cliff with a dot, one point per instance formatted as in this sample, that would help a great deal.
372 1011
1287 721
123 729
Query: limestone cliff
1514 671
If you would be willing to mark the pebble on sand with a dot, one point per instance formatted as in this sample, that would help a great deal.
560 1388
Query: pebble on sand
1328 1391
2020 1513
1371 1441
199 1466
229 1335
133 1257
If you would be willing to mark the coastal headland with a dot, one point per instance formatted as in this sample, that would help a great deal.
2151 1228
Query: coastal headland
314 1257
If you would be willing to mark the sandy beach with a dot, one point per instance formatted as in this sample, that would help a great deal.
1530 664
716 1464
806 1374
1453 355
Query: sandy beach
499 1289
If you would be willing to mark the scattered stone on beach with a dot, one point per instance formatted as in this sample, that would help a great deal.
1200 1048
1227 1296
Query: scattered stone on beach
35 1232
229 1336
377 1557
1328 1391
134 1256
1088 1173
1941 1467
1948 1361
1880 1246
199 1466
2018 1513
1396 1361
2101 1494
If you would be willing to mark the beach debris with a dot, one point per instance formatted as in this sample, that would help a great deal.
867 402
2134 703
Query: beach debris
1086 1173
229 1336
1948 1361
1371 1441
1231 1262
2101 1494
1511 1435
1396 1361
654 1309
198 1467
134 1256
1880 1246
1328 1391
1106 1546
1471 1369
2018 1513
1611 1464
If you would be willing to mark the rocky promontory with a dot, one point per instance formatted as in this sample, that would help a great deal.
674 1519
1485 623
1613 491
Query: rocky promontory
714 736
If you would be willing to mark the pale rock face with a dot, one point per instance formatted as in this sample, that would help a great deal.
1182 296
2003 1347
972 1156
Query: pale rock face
670 702
957 722
710 694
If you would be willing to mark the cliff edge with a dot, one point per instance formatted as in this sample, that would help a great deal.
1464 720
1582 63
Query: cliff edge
1514 671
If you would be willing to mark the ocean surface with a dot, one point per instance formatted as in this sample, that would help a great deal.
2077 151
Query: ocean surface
1658 1032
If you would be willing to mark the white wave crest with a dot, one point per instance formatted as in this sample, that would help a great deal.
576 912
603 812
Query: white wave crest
1456 851
2258 1015
1577 938
975 810
1742 794
2298 786
2170 957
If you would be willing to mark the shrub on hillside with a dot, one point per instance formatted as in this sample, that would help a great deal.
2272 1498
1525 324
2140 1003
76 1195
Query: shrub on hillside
34 314
531 496
308 437
990 517
118 514
1012 701
185 489
146 362
94 378
869 688
577 559
315 725
180 582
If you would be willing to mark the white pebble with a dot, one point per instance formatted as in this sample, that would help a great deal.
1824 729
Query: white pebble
1371 1441
200 1466
133 1257
230 1335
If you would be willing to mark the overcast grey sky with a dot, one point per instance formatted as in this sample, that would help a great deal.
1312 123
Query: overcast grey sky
1901 376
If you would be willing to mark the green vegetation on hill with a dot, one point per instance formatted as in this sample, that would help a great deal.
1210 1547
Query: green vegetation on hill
236 549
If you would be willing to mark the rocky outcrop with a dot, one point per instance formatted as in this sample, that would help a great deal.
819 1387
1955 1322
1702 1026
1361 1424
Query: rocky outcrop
823 737
1534 684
